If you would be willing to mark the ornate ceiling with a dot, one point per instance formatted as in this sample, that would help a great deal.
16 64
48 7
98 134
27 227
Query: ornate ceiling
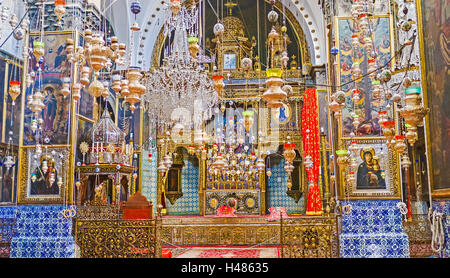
308 13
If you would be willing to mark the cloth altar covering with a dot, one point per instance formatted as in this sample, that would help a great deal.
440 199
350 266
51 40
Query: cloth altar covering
226 212
275 213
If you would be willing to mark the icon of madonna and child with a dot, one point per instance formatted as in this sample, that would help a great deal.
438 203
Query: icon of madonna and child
370 175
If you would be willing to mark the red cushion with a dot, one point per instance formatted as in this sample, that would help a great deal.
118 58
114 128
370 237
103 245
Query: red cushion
166 254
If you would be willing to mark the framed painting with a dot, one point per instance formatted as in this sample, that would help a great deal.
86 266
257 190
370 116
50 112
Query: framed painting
55 67
375 176
369 105
229 61
44 176
434 18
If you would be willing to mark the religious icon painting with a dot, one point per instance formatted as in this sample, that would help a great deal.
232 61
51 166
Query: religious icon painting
229 61
372 171
360 116
43 176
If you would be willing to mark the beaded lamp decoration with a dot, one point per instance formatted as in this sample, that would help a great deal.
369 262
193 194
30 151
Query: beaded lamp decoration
310 131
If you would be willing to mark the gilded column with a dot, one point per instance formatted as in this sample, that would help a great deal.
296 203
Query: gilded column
73 132
5 100
22 112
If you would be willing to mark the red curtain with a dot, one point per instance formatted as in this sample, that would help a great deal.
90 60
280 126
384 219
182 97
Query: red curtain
311 141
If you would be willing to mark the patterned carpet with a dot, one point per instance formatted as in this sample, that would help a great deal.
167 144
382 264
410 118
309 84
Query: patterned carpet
225 252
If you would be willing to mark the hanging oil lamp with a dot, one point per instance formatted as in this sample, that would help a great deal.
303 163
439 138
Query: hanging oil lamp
289 152
135 9
248 119
356 70
76 91
388 128
135 88
343 159
274 96
85 79
38 50
411 134
175 7
400 145
65 90
96 88
60 9
218 83
14 90
193 46
413 112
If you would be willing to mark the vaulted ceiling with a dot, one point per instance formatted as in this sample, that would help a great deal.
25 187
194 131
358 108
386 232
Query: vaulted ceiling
151 19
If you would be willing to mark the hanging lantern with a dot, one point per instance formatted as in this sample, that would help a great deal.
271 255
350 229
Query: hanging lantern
411 134
246 64
175 7
60 9
334 51
96 88
36 103
193 46
124 85
289 152
76 92
364 22
136 89
272 16
274 96
413 112
388 128
377 88
218 29
84 79
356 70
356 96
218 83
38 50
65 90
336 107
400 145
14 90
355 41
9 162
116 84
135 9
343 159
248 119
372 68
382 117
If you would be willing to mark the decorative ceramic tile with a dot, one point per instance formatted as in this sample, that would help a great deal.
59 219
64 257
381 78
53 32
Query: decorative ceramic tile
380 245
150 177
373 229
7 212
188 203
42 232
381 216
277 187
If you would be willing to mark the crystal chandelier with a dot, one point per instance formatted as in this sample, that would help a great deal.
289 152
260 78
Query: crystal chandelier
181 82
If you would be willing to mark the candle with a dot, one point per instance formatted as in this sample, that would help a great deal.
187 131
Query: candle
101 147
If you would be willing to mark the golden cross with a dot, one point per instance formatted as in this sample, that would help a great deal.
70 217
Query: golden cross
230 5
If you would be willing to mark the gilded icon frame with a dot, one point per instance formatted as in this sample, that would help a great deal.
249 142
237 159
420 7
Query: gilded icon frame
388 162
61 158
